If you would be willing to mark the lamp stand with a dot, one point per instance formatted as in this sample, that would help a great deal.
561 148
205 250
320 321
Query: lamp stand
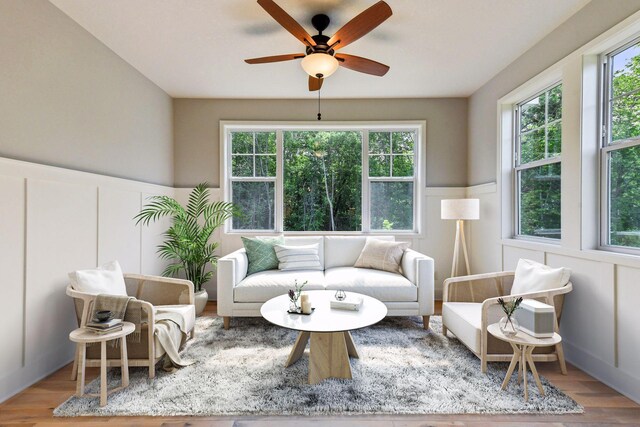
460 241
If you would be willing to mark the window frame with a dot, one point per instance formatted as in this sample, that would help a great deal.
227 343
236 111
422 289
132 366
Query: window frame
419 173
607 146
519 167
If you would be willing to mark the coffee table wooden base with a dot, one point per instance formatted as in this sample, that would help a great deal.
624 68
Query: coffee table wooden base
328 354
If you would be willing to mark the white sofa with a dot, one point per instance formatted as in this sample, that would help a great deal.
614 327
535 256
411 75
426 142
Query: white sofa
406 294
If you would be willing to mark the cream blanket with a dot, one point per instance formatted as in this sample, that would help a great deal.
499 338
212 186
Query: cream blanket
170 329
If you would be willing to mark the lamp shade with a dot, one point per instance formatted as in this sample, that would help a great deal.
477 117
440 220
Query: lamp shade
460 209
319 63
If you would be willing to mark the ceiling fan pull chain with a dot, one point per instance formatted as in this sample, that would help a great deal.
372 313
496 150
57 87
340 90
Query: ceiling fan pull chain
319 113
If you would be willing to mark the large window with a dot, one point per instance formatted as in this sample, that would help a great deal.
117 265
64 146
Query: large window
538 149
310 179
621 147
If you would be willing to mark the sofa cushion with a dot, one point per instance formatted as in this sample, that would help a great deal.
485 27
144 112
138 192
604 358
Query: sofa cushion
382 285
307 240
343 251
381 255
303 257
531 276
463 319
260 253
106 279
265 285
186 311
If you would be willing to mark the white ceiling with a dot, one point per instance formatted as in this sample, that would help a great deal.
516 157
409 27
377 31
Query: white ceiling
435 48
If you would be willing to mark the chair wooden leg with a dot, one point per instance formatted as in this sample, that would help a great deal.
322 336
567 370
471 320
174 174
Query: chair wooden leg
560 353
425 322
74 370
444 330
227 322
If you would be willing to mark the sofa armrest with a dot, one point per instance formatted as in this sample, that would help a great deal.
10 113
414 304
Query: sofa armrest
477 287
159 290
232 269
419 270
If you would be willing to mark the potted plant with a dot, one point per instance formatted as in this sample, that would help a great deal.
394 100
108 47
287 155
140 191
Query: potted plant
187 242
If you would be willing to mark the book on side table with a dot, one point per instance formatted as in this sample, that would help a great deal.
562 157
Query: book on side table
351 303
105 327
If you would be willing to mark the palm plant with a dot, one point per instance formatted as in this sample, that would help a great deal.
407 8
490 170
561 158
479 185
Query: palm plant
187 240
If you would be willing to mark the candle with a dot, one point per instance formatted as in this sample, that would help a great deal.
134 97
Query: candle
306 306
303 298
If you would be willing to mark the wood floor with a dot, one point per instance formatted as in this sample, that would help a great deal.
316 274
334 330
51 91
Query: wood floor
603 406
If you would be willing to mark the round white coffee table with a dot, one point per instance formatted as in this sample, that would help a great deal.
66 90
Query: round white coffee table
523 345
327 329
84 336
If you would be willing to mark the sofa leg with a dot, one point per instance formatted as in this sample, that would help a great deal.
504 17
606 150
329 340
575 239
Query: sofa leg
444 330
227 322
425 322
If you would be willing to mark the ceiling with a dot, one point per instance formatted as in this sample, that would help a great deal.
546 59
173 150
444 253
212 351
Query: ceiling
435 48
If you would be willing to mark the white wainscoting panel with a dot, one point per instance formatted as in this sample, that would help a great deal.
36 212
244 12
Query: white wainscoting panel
511 255
628 320
62 236
54 221
152 237
588 319
12 226
118 236
485 250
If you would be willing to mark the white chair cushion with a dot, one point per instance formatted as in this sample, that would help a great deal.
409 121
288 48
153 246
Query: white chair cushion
263 286
532 276
186 311
343 251
303 257
106 279
464 320
307 240
382 285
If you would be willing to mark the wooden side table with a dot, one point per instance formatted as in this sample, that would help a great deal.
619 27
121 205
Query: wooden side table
83 336
523 345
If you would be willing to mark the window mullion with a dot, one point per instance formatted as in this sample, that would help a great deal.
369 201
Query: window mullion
366 186
279 220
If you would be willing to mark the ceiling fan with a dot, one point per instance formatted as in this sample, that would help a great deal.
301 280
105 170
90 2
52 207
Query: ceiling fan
320 59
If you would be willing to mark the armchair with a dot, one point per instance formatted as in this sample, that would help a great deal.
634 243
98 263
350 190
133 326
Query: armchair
470 304
156 293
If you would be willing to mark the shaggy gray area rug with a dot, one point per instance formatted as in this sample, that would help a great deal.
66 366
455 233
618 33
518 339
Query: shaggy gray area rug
402 369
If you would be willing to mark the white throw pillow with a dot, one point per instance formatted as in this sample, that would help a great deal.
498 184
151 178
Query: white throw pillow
532 276
381 255
106 279
303 257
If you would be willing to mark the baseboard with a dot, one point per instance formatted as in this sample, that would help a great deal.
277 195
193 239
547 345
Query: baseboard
621 381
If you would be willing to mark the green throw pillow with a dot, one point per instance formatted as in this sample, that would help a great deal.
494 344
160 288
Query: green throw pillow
261 254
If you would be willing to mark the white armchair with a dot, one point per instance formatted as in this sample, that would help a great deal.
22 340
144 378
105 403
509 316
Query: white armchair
470 304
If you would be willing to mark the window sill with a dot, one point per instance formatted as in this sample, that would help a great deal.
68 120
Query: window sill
412 234
598 255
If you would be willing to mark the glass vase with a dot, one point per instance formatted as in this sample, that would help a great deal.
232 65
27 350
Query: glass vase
294 307
509 326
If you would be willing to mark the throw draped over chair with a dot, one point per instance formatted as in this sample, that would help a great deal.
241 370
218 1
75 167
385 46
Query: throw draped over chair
156 293
470 304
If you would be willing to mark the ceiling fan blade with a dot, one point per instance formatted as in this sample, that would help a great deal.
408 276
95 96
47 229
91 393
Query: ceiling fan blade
275 58
363 65
361 25
315 83
289 24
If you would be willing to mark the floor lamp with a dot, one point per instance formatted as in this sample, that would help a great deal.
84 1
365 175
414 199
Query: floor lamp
460 209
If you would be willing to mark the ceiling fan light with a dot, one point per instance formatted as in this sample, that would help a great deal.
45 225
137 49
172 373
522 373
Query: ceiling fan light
319 63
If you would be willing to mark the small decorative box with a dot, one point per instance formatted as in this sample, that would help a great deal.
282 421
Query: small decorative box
536 318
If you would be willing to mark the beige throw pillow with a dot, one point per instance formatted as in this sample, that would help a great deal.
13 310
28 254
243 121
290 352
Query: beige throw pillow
382 255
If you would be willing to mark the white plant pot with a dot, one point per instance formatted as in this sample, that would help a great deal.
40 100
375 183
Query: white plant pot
201 299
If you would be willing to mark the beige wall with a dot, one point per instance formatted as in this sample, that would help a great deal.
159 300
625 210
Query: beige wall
197 145
595 18
67 100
